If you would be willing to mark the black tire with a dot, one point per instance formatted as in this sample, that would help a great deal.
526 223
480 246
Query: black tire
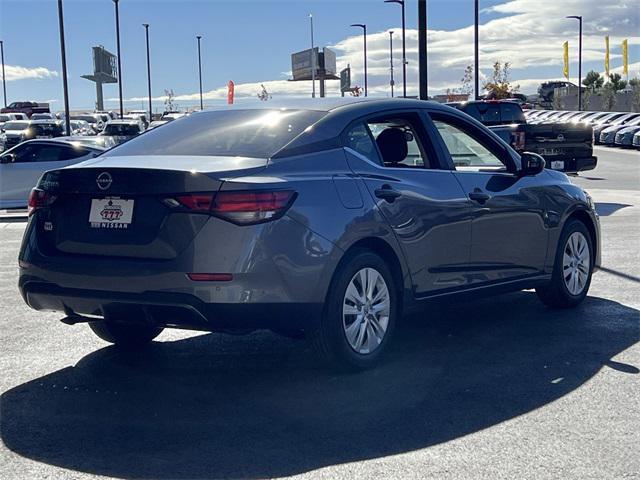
330 340
556 294
126 336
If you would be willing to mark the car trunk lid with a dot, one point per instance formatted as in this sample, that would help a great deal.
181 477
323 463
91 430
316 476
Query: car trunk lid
120 206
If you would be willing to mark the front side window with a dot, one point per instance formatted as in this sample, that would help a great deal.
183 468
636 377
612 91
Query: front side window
466 152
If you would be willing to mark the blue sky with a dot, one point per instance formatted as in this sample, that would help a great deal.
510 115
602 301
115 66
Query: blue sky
250 41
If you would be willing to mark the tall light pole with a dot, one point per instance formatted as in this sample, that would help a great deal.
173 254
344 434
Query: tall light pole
4 80
146 31
422 50
579 18
476 49
200 71
119 61
364 30
65 89
404 51
313 61
391 81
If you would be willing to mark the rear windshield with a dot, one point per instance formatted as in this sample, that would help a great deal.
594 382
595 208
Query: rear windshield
121 129
16 125
244 133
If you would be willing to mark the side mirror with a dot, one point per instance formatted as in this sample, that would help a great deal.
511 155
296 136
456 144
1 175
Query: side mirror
7 158
532 164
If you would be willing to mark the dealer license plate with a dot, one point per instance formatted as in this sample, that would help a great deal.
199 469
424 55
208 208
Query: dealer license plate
557 165
111 212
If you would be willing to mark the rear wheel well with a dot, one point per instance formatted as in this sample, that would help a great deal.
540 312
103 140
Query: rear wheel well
584 217
384 251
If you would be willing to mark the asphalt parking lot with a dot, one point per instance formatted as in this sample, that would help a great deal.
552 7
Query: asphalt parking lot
497 388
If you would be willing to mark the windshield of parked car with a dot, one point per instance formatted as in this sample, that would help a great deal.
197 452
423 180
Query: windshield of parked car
244 133
40 116
46 129
16 125
4 118
121 129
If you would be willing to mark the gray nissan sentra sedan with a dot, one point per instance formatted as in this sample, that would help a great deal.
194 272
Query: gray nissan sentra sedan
324 218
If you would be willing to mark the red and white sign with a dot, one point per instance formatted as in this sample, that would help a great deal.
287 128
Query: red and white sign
230 92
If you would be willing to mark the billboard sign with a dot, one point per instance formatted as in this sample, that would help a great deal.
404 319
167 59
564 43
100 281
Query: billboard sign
345 80
328 62
105 66
301 64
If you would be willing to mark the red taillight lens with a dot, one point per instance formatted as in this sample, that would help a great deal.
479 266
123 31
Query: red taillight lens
39 199
199 202
245 208
240 207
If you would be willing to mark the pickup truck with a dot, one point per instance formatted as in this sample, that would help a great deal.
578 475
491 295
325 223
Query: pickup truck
566 147
28 108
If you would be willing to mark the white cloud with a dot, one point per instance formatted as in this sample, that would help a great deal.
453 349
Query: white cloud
528 34
16 72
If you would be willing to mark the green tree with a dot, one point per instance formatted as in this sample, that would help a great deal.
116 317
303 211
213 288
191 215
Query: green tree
593 81
499 86
616 82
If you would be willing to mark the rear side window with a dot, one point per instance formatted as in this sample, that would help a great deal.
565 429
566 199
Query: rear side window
245 133
359 139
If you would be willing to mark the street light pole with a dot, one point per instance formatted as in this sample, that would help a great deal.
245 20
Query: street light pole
313 61
119 61
67 122
579 18
4 80
422 50
200 71
146 31
476 50
364 30
391 82
404 51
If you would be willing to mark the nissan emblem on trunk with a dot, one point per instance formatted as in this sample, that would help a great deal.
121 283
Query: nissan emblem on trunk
104 180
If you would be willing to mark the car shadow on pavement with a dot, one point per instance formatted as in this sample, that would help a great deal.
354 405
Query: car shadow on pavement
217 406
605 209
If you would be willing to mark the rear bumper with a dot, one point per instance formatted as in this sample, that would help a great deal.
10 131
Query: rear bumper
169 309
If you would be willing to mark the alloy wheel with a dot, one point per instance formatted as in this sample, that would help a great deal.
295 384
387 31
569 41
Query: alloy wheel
576 263
365 310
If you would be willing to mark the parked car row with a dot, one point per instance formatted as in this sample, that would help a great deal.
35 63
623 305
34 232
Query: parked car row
33 146
620 129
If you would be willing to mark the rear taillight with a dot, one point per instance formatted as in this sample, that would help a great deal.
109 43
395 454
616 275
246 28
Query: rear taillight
239 207
39 199
199 202
246 208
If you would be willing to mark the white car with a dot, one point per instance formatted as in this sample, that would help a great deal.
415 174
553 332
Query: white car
22 166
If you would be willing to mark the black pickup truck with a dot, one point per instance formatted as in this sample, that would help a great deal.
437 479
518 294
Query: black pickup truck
566 147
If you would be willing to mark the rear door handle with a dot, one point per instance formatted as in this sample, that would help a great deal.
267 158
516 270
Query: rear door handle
479 197
387 193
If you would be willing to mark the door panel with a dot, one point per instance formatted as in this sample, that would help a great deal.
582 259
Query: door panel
509 233
430 216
